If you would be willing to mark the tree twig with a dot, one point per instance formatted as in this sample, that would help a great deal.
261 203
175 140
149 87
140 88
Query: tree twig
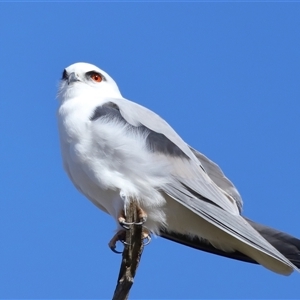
131 256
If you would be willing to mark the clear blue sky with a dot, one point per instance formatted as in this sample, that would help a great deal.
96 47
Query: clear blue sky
225 75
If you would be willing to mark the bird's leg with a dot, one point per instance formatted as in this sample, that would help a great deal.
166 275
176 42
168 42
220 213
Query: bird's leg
142 216
119 236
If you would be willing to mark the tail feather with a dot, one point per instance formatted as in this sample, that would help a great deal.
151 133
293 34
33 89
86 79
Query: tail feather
286 244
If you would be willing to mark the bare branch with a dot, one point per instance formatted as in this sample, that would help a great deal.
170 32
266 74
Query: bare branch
132 253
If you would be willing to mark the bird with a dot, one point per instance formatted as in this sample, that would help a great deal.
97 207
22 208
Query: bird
114 150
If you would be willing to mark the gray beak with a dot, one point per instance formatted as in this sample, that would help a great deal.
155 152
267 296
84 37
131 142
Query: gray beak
73 77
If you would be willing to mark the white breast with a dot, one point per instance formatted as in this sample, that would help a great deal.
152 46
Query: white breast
102 160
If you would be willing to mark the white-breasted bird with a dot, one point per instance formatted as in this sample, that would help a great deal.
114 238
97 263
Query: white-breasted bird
115 150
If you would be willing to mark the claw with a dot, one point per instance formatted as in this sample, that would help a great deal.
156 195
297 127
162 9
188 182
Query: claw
119 236
147 237
148 240
143 220
125 243
126 225
115 251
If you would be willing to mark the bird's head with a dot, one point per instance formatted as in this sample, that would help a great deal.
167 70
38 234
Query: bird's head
86 78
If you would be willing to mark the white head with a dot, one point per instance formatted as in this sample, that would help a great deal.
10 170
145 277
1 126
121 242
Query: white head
84 78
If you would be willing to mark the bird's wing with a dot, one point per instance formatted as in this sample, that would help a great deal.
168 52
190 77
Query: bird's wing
191 185
136 114
219 178
162 139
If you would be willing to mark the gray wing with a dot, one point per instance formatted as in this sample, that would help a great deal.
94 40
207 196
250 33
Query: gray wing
174 145
217 175
192 187
187 167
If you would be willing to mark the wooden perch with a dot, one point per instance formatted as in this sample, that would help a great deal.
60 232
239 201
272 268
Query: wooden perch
131 255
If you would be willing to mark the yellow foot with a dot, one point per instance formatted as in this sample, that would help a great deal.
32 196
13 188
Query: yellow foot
142 216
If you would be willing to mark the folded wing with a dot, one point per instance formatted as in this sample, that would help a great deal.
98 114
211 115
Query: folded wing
213 199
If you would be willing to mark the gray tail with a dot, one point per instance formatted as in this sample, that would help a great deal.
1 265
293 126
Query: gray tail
286 244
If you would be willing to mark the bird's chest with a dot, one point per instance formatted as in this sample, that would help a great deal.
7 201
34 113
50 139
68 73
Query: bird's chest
78 149
96 154
86 163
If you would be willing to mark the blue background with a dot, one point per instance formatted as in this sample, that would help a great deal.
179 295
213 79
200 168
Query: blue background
224 75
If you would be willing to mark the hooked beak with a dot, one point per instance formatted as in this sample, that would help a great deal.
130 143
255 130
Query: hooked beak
73 78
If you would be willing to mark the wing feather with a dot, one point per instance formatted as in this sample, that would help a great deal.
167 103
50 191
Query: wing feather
191 184
217 175
234 225
188 171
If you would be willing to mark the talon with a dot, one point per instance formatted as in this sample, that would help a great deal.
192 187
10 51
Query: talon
119 236
126 225
147 237
142 218
125 243
148 240
115 251
122 220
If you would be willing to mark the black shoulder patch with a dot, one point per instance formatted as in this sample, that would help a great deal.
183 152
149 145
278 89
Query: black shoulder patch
156 142
109 109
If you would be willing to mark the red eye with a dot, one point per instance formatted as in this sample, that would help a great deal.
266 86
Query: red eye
96 77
